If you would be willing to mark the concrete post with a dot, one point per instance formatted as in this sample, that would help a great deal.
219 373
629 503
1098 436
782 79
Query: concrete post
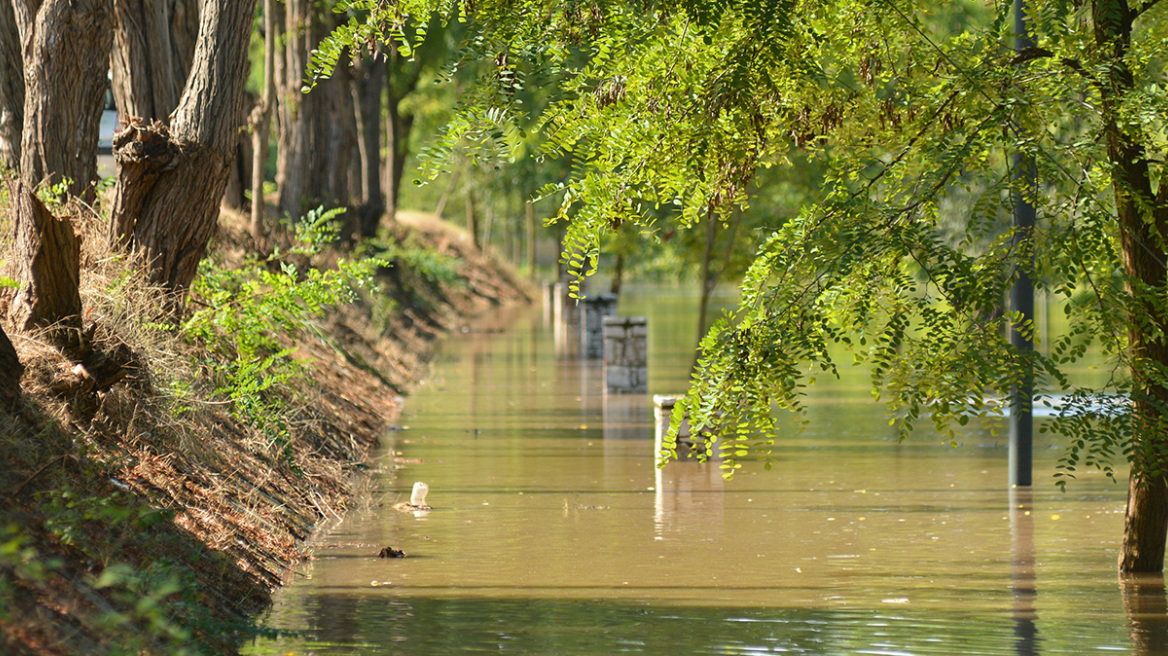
593 310
626 355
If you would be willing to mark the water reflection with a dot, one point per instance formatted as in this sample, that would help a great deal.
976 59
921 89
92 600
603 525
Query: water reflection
554 532
1023 578
1146 604
628 417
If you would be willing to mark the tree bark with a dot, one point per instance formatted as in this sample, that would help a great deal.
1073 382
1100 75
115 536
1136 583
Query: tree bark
46 258
1143 218
530 211
10 370
153 47
472 222
261 123
170 179
367 84
317 129
66 45
292 120
440 208
239 173
11 88
336 135
402 79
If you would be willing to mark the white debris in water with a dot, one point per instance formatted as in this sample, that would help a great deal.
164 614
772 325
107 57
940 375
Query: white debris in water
418 496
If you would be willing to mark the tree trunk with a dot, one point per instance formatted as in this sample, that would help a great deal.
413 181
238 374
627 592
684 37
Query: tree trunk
367 83
170 180
10 370
239 174
401 80
153 47
472 222
530 210
317 129
291 172
1143 219
708 278
336 134
46 258
441 206
66 45
261 123
11 88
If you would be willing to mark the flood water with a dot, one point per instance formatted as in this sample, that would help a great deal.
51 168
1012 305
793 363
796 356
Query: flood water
554 533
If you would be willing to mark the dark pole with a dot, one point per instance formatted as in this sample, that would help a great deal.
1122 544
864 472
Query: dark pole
1022 294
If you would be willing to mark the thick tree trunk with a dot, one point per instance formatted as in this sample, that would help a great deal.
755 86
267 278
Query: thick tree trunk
291 173
317 129
153 47
170 180
11 88
66 45
1143 219
368 81
261 122
10 370
46 264
336 136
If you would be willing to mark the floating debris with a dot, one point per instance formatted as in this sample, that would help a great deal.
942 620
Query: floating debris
417 502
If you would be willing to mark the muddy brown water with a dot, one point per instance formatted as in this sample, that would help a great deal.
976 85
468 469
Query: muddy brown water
554 533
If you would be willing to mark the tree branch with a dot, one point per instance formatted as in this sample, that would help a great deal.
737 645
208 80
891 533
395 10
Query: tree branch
1136 13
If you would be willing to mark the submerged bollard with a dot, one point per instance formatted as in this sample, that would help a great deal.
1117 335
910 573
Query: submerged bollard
593 310
688 444
626 355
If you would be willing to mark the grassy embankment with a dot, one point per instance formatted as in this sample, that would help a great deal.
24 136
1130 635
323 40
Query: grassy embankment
153 512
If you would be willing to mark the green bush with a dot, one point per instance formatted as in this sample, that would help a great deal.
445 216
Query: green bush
250 314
